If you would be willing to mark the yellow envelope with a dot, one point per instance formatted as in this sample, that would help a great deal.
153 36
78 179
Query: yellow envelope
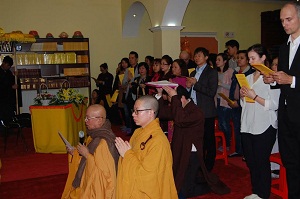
244 82
225 98
121 77
115 96
108 99
131 70
262 68
191 70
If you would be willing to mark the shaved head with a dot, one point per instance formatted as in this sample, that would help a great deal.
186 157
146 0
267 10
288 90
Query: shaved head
184 55
97 115
145 110
97 109
149 102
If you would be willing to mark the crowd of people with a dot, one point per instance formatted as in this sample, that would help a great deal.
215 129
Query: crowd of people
148 165
179 165
187 112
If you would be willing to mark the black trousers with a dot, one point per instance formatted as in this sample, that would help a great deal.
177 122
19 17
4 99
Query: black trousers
289 148
257 150
209 143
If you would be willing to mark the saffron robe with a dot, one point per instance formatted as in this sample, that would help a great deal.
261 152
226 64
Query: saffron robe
147 173
99 177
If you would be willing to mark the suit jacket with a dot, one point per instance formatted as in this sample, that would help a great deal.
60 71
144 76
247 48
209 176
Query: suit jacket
136 89
206 89
191 64
289 97
108 79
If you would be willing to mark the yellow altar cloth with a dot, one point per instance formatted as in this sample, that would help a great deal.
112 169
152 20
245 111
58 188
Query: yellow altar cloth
48 120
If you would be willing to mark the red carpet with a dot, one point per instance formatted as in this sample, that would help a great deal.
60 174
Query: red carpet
49 187
33 166
42 176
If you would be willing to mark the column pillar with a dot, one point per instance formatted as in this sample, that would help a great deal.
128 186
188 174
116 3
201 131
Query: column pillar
166 41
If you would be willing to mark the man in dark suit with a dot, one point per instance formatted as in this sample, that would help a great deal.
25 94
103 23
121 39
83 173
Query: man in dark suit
7 89
104 80
288 79
203 85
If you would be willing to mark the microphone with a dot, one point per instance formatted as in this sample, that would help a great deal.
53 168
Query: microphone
81 137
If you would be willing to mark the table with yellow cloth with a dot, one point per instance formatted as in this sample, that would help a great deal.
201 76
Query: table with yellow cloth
48 120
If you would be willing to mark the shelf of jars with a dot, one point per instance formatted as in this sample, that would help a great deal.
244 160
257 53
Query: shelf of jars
55 82
31 58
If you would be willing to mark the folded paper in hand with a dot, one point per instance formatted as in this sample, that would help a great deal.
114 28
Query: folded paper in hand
65 140
226 98
191 70
244 82
180 80
162 83
114 97
262 68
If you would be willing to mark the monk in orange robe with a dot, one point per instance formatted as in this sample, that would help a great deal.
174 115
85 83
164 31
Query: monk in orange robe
92 168
145 165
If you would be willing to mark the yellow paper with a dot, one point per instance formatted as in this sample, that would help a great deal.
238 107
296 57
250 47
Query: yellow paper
191 70
121 77
225 98
244 82
262 68
115 96
131 70
108 99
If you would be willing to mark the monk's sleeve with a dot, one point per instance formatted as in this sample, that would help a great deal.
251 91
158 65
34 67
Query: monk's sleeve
184 117
141 169
164 112
100 170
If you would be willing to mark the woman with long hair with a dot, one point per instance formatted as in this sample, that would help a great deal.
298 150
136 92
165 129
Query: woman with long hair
166 64
258 125
179 72
156 74
138 86
224 83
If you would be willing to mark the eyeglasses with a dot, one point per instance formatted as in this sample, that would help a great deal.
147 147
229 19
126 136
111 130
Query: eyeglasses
90 118
136 111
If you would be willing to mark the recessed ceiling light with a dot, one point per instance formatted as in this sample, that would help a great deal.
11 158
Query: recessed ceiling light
171 24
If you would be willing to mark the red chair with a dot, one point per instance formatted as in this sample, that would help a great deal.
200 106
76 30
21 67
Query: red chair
279 185
220 137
